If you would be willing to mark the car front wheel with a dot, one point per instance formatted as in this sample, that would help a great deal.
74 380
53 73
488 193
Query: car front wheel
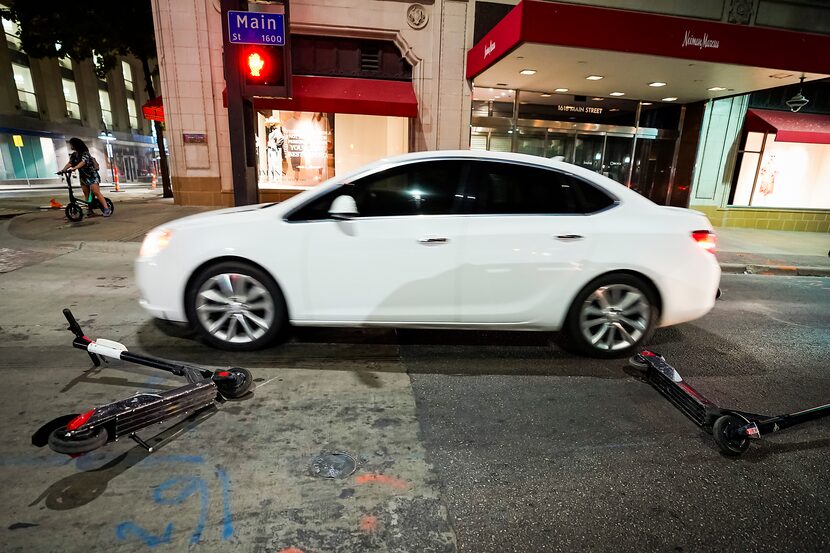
612 316
236 306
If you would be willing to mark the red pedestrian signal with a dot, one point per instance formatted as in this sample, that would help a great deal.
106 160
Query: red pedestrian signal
262 66
255 64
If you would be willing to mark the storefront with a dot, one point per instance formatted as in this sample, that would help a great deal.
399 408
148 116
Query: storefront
392 84
630 141
783 161
639 109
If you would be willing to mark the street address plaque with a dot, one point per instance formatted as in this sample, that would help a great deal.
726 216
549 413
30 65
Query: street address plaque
256 28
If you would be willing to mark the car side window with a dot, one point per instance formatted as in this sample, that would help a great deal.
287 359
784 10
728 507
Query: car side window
508 189
422 188
592 198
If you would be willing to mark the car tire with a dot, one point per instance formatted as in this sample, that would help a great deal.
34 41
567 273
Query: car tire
612 316
236 306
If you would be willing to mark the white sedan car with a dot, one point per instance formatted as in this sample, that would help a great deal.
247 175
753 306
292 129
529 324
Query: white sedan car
448 239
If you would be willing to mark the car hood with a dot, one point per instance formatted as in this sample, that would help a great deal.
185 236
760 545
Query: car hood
218 216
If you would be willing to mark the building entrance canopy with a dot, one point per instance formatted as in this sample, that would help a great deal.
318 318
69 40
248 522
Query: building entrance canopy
545 46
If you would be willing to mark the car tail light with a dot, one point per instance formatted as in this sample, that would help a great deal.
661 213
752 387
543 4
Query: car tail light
80 420
706 239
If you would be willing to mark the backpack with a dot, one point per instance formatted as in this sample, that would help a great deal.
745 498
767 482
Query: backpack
94 163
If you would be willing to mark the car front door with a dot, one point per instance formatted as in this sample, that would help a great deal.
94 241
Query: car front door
396 259
527 240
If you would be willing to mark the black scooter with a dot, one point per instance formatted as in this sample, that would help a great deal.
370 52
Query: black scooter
77 434
731 429
74 209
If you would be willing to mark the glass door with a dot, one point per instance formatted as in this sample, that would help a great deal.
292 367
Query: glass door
616 159
558 144
588 151
531 141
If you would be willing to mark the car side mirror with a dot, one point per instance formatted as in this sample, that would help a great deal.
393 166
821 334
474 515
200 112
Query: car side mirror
343 208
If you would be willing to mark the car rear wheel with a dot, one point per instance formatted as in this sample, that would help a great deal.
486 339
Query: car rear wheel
612 316
236 306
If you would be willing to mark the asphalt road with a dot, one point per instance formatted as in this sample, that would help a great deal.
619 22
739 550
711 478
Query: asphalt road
469 441
541 452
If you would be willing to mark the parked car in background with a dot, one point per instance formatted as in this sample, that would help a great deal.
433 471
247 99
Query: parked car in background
447 239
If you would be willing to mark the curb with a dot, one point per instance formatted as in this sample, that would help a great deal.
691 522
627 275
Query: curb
778 270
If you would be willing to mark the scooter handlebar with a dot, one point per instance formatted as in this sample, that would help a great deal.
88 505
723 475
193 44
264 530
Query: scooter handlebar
75 328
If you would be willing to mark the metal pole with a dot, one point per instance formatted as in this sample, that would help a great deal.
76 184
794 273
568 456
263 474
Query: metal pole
23 162
634 143
675 154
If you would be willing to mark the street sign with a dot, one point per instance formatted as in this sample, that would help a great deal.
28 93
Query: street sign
18 140
256 28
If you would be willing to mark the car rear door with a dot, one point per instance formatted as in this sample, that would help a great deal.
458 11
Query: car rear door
527 241
397 260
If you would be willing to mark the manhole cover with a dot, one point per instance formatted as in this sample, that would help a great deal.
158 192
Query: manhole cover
336 464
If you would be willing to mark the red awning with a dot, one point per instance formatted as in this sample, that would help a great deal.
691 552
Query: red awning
153 110
809 128
345 95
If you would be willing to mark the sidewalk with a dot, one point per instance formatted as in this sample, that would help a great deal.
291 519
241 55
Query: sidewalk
740 250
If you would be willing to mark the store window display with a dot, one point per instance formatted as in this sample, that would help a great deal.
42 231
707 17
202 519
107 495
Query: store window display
298 148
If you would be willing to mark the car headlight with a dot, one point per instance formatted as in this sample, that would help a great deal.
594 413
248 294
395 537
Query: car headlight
155 241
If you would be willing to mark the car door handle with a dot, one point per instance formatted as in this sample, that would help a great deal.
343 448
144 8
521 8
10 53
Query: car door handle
569 237
427 240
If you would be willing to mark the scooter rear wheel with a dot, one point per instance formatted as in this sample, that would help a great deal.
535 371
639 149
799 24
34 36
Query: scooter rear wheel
59 442
723 431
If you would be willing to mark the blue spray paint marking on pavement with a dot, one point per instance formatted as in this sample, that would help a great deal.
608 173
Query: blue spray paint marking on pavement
227 520
187 487
125 529
192 485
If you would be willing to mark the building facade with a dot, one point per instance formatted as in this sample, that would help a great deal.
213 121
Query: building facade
47 101
673 116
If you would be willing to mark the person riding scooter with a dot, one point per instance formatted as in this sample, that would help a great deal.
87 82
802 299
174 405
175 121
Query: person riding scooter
81 160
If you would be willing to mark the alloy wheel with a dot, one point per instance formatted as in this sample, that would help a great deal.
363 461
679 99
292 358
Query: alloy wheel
614 317
235 308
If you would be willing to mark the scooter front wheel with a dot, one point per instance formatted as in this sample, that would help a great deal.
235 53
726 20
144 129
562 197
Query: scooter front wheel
236 384
724 431
74 212
61 442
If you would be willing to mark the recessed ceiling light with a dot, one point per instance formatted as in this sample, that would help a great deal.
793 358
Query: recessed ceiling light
594 77
645 103
527 72
717 88
544 95
560 89
656 84
618 94
670 99
597 98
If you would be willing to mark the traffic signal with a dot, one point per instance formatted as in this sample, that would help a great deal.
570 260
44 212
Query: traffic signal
263 65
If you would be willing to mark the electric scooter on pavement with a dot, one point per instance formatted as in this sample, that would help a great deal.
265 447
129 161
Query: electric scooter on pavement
77 434
731 429
74 209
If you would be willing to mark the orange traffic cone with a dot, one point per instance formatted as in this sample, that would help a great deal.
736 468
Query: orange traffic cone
153 182
54 204
115 178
